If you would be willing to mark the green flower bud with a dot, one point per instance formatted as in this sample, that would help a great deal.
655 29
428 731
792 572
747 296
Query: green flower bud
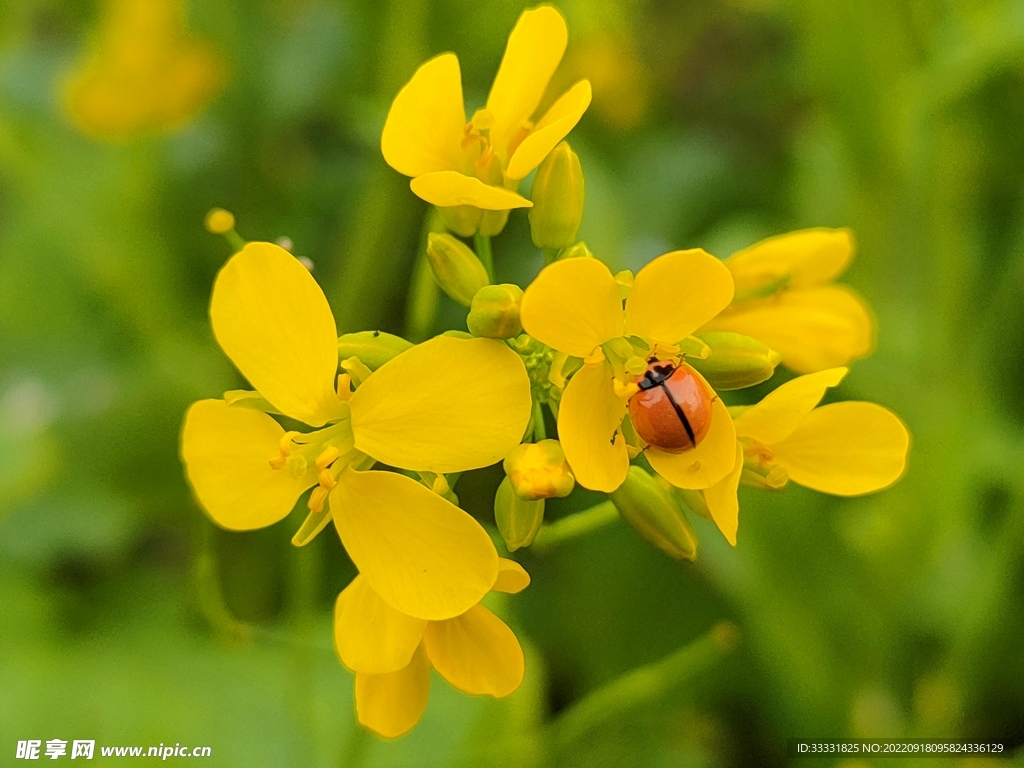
654 513
463 220
735 361
518 519
494 312
456 268
576 251
557 194
373 348
539 471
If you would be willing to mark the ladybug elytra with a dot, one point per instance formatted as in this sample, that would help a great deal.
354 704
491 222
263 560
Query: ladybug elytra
672 410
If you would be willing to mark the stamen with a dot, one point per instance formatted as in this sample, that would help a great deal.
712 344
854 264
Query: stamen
284 445
524 131
326 481
325 459
484 160
344 388
317 499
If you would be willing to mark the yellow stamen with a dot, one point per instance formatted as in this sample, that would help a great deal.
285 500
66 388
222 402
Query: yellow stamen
325 479
285 447
520 136
625 391
344 386
325 459
317 499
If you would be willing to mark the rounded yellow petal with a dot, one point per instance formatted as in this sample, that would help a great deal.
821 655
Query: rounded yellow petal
552 128
573 306
512 577
273 321
813 328
846 449
805 258
589 417
371 636
424 128
446 405
780 413
722 500
227 452
534 50
392 703
706 464
476 652
423 555
447 189
676 294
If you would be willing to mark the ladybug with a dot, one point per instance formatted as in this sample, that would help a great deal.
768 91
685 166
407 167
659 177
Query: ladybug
672 410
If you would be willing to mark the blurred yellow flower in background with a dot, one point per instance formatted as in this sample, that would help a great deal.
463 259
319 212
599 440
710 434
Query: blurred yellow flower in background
786 298
143 72
481 162
392 654
446 405
575 307
845 449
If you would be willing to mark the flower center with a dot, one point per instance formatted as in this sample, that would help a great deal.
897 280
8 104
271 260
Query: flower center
330 449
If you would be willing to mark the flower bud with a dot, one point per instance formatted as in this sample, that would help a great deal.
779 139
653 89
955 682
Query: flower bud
656 516
456 268
735 361
494 312
373 348
518 519
557 194
576 251
539 471
463 220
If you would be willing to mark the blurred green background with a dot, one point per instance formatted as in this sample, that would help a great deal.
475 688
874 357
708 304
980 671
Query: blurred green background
127 617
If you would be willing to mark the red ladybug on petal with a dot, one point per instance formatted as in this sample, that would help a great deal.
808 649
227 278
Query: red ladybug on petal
672 410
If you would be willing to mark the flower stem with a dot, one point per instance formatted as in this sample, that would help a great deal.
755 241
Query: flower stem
483 252
642 685
578 524
540 432
550 255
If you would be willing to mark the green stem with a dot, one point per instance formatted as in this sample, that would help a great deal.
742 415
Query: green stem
483 252
550 255
575 525
643 685
234 240
540 431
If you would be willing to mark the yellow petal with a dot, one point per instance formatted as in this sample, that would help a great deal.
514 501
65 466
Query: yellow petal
476 652
808 257
227 454
273 321
423 555
813 328
447 189
573 306
676 294
589 417
534 50
552 128
424 128
512 577
392 703
446 405
777 416
706 464
846 449
371 636
722 501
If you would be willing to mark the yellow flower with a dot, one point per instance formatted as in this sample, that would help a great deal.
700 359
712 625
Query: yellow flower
144 73
575 307
785 297
447 405
481 162
845 449
392 654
